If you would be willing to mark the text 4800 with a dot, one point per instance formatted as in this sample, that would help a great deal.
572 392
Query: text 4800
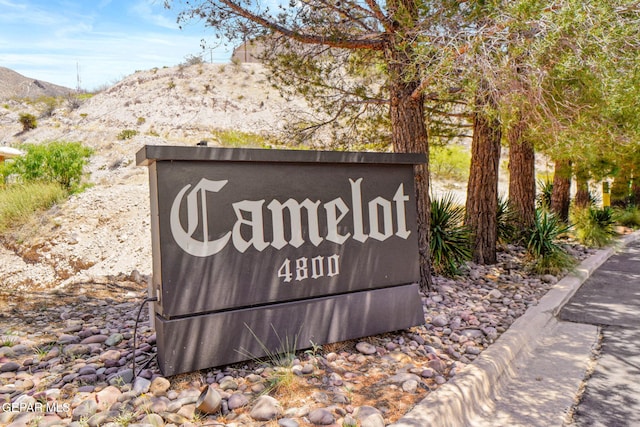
303 268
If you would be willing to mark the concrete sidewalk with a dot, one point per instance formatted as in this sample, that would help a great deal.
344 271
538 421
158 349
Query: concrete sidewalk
534 373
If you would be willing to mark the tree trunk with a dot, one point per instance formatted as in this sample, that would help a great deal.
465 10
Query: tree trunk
635 191
410 135
582 199
482 190
560 197
522 177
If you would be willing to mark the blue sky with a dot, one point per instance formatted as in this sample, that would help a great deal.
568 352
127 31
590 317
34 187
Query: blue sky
105 39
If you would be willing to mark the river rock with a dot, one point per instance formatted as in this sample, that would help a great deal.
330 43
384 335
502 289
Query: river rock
368 416
114 339
141 385
410 386
85 410
403 377
159 386
287 422
108 396
495 294
266 408
440 321
94 339
9 367
75 350
321 416
236 401
154 420
366 348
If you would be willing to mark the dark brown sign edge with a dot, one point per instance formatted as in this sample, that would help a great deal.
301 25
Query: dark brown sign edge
150 153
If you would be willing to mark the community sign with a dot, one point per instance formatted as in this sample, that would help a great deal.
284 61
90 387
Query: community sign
255 250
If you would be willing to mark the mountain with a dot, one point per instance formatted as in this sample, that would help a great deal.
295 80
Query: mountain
15 85
172 105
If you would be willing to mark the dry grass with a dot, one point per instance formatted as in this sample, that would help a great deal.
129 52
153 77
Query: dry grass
19 203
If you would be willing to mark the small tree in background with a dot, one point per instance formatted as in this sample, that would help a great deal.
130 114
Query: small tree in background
58 161
28 121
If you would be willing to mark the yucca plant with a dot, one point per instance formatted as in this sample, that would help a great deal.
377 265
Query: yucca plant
505 218
547 256
28 121
449 236
594 227
543 199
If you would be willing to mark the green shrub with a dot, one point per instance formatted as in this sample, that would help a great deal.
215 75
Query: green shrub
627 217
449 237
238 139
28 121
6 169
547 256
192 60
19 202
48 105
84 96
127 134
58 161
505 218
593 226
543 199
450 162
73 101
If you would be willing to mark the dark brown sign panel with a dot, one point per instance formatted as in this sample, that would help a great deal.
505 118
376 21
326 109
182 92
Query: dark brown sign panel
253 248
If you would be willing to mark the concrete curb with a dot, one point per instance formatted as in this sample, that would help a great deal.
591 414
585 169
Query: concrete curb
472 391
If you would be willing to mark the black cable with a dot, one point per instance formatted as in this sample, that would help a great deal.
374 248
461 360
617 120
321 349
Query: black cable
135 330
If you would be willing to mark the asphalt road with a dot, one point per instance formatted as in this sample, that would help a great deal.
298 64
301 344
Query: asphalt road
610 299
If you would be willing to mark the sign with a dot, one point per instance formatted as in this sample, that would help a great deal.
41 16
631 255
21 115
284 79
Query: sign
255 248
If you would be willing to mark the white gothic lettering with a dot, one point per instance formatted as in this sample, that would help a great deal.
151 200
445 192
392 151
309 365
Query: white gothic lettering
248 228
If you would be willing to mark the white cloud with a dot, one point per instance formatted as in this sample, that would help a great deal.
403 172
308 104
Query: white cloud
147 10
13 5
75 29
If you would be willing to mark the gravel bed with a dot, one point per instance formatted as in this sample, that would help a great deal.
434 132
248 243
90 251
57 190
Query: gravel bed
66 358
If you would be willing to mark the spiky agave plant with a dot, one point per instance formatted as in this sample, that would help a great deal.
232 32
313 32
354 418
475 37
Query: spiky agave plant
505 219
594 227
450 238
543 199
547 256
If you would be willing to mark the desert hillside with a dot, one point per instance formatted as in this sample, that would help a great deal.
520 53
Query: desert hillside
182 104
104 232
